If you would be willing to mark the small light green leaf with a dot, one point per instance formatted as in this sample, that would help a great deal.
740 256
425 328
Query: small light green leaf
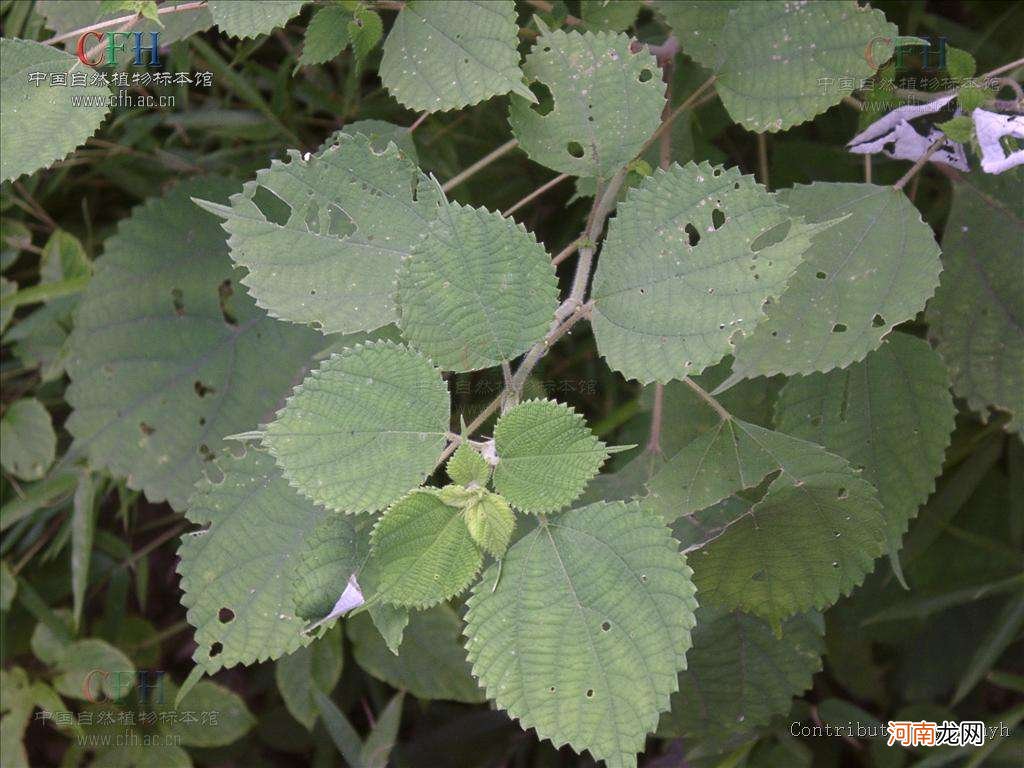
326 35
594 80
63 258
432 662
491 523
609 15
479 290
423 551
364 30
249 18
76 671
28 443
891 414
779 64
546 455
317 665
234 719
959 63
740 673
7 289
970 97
812 536
468 468
443 55
585 649
168 357
38 123
237 573
363 428
959 129
322 237
977 315
691 257
862 277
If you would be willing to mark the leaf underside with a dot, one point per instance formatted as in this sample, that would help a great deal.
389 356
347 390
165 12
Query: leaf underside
861 278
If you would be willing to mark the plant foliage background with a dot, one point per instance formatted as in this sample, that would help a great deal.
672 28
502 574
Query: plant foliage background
495 383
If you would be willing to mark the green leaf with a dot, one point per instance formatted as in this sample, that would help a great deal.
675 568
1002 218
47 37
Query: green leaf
780 64
861 278
468 468
322 237
237 573
443 55
594 79
8 586
423 551
326 35
1004 631
585 648
609 15
812 536
891 414
546 455
378 745
970 97
338 727
363 428
314 666
7 289
491 522
740 673
380 133
479 290
63 258
38 123
77 675
976 315
234 719
432 662
959 129
167 358
691 258
28 443
331 554
17 712
698 25
959 63
364 30
249 18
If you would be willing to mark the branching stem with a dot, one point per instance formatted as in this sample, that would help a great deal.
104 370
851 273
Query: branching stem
480 164
917 166
121 20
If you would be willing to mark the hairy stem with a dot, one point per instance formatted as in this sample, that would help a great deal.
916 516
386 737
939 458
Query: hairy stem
121 20
654 441
762 160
